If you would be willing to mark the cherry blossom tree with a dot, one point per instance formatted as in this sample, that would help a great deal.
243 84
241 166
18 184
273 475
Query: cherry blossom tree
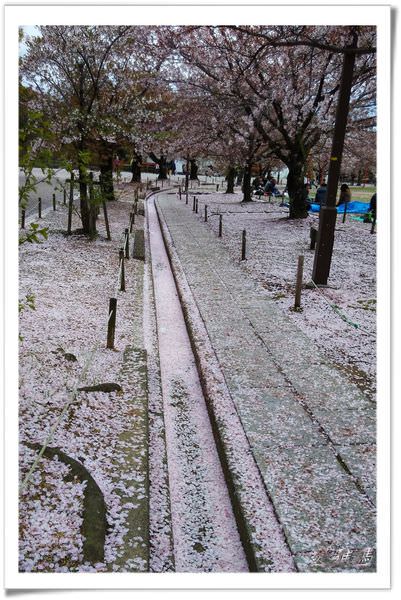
284 81
96 84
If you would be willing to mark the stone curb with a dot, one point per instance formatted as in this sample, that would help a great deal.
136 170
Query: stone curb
237 461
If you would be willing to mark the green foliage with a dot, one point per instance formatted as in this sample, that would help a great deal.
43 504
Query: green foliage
28 302
35 144
34 234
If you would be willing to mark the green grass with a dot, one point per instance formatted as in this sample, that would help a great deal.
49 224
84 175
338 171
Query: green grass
358 193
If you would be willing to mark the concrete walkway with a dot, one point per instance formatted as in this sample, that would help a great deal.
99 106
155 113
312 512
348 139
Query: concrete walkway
311 432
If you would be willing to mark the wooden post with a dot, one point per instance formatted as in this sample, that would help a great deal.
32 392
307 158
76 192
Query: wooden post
186 197
220 225
64 196
111 325
196 205
313 238
298 284
345 211
131 216
70 204
243 252
217 187
205 213
23 218
39 208
126 245
193 204
54 201
106 220
179 191
122 275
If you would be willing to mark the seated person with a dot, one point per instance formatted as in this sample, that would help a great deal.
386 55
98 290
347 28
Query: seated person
270 188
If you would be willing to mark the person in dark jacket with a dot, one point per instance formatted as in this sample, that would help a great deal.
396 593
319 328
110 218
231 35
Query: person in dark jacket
372 206
345 195
321 194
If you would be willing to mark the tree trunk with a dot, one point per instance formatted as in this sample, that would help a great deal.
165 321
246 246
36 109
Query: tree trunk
246 184
295 184
106 178
232 171
162 168
136 168
162 162
194 170
83 198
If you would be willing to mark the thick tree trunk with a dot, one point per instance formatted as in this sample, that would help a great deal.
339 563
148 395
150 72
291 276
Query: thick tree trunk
162 162
232 171
194 170
162 168
295 185
246 184
136 168
106 178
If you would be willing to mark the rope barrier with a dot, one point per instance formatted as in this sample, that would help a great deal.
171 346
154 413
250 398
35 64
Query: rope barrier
341 314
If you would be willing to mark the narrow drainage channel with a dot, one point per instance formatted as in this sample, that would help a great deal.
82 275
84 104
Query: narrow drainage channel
204 528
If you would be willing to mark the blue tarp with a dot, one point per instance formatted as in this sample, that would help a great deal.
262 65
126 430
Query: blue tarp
356 208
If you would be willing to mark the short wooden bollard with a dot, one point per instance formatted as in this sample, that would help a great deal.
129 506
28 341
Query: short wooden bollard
217 187
23 218
220 225
186 197
122 271
196 206
345 211
54 201
193 204
298 284
205 213
126 244
179 192
106 220
111 325
64 196
243 252
39 208
313 238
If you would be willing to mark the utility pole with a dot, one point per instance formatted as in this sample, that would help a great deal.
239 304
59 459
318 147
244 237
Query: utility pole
328 213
